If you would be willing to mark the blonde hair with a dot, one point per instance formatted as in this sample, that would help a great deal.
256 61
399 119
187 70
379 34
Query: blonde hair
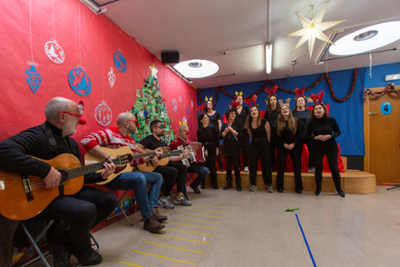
249 119
281 123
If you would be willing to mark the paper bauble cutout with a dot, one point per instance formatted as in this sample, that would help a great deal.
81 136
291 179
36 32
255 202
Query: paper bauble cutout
120 62
54 51
33 78
103 114
79 82
174 105
111 77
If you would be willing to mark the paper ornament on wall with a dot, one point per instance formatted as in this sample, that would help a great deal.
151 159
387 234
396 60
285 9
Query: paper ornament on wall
191 104
79 82
33 78
111 77
120 62
103 114
54 51
174 105
187 110
180 99
184 120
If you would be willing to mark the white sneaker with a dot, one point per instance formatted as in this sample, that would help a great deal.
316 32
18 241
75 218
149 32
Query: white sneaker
246 169
253 188
165 203
311 170
270 189
181 201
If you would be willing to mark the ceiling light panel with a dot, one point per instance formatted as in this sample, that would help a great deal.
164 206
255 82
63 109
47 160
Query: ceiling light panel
197 68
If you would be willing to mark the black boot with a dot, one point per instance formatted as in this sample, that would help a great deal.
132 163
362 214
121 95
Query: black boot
238 184
215 183
203 184
228 183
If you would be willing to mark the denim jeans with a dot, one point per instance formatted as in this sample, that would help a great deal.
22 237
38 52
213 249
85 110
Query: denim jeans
137 181
202 172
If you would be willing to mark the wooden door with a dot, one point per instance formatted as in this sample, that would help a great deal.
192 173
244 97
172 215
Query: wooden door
384 139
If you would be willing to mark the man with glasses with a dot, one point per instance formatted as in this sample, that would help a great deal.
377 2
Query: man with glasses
173 172
116 137
81 211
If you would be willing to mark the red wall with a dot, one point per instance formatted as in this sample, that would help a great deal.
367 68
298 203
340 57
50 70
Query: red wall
99 39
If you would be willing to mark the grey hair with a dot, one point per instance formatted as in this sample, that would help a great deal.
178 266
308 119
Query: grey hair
181 127
55 106
123 117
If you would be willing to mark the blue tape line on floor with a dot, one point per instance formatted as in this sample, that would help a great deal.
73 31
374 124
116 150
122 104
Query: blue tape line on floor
305 240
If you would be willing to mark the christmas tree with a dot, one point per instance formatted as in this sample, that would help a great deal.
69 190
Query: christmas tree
150 106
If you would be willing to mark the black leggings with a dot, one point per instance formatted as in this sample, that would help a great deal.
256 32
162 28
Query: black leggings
210 162
244 146
331 153
260 150
295 155
235 162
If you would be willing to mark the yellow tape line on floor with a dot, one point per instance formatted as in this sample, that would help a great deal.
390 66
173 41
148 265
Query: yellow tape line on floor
180 238
190 232
222 212
196 220
158 244
191 225
130 264
154 255
211 206
220 217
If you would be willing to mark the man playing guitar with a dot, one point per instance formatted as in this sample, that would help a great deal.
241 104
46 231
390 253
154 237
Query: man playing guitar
116 137
83 210
173 172
201 170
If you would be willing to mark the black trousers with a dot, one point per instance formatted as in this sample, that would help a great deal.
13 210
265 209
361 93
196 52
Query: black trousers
310 153
331 153
210 162
259 150
273 145
244 146
219 159
173 173
82 211
295 155
235 162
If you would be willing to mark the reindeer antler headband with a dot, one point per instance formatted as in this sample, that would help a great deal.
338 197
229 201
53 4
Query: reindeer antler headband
251 102
235 104
271 92
238 94
317 97
201 107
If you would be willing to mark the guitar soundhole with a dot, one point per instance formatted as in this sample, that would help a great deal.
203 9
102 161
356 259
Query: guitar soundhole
64 176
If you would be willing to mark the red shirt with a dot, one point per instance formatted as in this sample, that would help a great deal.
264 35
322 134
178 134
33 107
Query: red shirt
178 142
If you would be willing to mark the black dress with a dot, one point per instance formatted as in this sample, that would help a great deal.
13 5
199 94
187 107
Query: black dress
214 122
232 151
209 138
260 150
323 126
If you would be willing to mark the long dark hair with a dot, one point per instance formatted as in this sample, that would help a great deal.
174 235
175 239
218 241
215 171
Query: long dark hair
281 123
269 109
199 123
326 113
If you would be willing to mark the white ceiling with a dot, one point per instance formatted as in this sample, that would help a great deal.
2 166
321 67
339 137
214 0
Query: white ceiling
205 29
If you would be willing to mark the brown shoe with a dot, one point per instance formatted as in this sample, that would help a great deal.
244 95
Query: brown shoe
158 216
152 225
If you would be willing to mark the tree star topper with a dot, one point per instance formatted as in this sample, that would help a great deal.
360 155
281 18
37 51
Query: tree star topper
313 29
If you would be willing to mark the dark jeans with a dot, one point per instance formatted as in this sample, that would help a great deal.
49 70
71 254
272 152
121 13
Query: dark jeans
331 153
295 155
173 173
202 172
260 150
244 146
235 162
82 211
210 162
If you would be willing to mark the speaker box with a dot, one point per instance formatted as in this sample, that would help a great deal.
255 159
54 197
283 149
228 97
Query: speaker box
170 57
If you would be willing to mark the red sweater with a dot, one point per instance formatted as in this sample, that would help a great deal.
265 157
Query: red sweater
111 138
178 142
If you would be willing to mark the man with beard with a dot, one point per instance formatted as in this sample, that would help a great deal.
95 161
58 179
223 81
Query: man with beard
173 172
116 137
81 211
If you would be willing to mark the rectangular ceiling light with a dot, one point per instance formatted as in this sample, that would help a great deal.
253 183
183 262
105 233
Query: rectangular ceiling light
268 58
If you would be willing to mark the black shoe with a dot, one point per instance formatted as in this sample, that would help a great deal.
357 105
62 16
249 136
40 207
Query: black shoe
195 189
228 184
203 186
216 186
341 194
238 184
317 193
221 170
61 255
280 190
299 191
89 258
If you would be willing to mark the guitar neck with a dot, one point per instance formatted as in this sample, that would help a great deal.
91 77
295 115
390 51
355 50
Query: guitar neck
83 170
173 153
138 156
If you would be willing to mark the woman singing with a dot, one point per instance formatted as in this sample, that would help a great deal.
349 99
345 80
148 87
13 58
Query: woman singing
271 115
288 137
208 135
230 133
323 130
303 115
259 131
215 120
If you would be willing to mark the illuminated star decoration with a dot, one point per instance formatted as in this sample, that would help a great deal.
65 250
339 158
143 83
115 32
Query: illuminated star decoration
313 29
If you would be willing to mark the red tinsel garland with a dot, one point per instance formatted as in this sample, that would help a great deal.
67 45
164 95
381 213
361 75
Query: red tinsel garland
293 92
388 88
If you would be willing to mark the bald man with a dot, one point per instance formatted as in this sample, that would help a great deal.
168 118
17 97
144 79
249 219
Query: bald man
116 137
81 211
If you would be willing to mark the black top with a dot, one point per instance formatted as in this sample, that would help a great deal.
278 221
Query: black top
303 118
272 118
287 136
325 125
240 118
231 141
150 142
214 119
260 132
35 142
208 136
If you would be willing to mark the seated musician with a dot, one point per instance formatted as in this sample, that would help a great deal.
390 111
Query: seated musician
116 137
173 172
83 210
201 170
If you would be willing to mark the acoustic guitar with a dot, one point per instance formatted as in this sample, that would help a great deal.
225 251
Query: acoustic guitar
162 160
24 197
90 158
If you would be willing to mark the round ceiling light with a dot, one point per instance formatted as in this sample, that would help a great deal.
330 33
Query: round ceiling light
197 68
367 39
